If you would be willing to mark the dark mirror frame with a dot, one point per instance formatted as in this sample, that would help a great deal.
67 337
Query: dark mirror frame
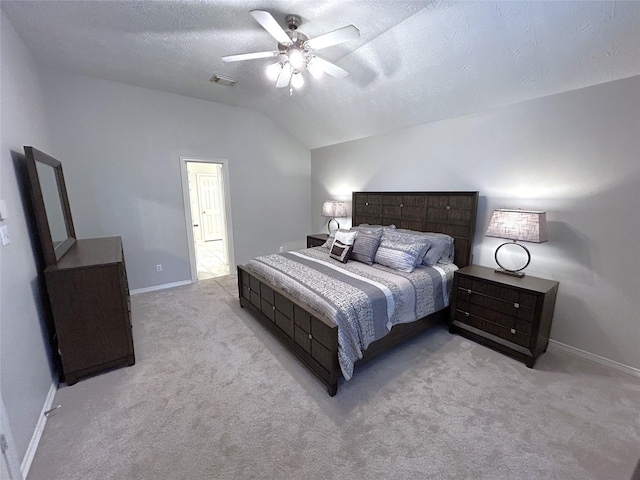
52 253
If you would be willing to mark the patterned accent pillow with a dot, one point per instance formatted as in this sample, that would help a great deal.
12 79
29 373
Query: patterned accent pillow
401 255
340 251
332 236
366 245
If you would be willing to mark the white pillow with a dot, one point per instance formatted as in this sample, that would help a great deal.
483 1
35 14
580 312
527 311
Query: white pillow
345 237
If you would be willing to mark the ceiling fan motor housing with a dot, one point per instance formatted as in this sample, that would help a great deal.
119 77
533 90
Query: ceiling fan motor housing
293 22
298 39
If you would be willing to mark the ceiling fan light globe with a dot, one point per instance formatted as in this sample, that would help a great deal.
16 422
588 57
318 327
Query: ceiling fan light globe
284 79
297 80
273 71
314 69
296 59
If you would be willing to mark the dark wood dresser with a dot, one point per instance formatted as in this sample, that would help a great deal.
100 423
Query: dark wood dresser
512 315
317 240
89 296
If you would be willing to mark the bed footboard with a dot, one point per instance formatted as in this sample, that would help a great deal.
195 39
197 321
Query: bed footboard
307 334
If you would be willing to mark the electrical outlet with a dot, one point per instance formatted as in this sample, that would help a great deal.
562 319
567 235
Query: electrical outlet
158 268
281 249
4 233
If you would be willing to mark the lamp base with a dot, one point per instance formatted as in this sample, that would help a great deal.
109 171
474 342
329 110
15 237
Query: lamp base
509 272
517 272
329 226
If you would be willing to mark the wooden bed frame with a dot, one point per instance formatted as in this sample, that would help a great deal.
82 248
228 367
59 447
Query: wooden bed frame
311 336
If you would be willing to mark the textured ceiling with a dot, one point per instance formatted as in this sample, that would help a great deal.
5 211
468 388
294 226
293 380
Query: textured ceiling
415 62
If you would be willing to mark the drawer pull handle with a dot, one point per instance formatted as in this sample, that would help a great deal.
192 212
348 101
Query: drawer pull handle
274 308
310 337
367 204
516 305
466 314
448 207
469 291
401 205
513 330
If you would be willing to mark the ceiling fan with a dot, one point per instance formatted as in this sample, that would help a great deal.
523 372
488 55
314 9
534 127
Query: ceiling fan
296 51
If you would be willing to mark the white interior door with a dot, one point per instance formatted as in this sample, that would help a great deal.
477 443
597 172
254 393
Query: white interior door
210 207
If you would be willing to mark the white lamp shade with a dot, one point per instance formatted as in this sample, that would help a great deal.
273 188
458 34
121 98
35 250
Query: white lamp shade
522 225
334 209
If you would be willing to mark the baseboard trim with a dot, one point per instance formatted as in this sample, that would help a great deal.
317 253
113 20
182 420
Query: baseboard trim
37 433
160 287
594 358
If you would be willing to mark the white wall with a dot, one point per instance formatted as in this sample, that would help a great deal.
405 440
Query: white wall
121 146
575 155
25 374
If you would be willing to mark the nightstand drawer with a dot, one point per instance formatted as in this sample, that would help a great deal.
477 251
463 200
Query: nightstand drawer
508 328
510 334
490 315
503 300
512 315
512 309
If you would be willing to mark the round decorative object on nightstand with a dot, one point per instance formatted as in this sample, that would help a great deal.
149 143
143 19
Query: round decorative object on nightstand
513 271
329 225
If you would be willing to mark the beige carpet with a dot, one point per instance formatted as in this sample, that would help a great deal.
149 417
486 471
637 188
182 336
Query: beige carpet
213 396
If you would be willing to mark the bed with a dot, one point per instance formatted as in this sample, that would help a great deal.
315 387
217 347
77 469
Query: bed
306 329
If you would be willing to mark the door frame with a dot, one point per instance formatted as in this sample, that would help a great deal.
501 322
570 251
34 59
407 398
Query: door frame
226 194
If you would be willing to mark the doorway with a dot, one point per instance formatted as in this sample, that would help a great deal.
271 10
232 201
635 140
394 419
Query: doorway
207 213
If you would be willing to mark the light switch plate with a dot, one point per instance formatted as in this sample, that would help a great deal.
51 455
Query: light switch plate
4 233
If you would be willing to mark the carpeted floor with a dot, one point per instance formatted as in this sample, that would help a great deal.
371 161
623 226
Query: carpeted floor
213 396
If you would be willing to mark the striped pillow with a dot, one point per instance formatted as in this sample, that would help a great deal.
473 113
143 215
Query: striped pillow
400 255
366 245
442 246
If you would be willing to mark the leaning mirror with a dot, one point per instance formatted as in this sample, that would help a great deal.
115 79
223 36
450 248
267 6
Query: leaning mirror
50 204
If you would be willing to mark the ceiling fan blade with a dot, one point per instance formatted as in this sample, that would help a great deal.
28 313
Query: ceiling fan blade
248 56
270 25
285 76
330 68
333 38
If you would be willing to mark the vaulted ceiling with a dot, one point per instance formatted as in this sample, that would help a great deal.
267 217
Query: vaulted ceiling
415 61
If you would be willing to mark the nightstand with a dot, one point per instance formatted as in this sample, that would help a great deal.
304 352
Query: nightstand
316 240
509 314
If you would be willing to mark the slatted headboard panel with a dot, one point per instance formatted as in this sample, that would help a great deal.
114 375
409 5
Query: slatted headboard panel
453 213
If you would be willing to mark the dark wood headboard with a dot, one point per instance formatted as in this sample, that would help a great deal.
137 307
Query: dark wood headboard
453 213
